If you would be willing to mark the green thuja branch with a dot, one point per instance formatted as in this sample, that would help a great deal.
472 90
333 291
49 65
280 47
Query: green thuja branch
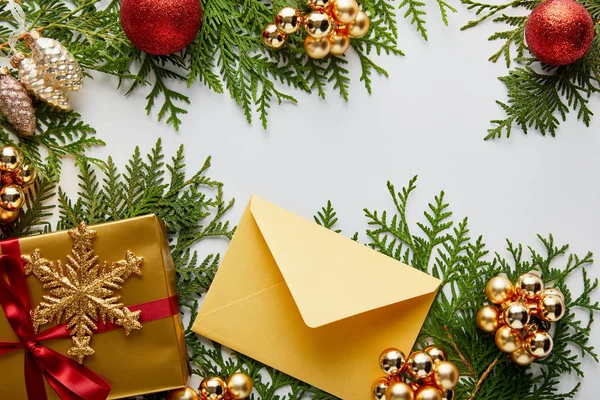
540 96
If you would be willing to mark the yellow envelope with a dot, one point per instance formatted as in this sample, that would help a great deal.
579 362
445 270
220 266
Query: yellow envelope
312 303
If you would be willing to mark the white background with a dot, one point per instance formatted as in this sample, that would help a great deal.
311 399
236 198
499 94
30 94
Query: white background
428 118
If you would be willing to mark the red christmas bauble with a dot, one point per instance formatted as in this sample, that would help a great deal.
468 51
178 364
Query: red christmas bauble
559 32
161 27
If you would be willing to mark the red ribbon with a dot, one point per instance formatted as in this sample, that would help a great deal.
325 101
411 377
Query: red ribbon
69 379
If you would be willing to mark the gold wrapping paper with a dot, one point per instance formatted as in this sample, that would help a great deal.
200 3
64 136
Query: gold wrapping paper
149 360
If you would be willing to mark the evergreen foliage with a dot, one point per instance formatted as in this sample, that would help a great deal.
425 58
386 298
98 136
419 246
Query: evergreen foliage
540 96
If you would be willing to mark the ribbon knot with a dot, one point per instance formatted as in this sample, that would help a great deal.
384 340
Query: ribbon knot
69 379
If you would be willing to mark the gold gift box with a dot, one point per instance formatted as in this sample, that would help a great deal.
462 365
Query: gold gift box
151 359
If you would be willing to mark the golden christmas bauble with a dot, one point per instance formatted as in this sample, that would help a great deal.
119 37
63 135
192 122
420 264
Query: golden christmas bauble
436 353
345 11
521 357
318 25
539 344
316 48
399 391
186 393
488 318
11 158
339 43
516 315
11 197
273 38
288 20
530 285
360 26
26 175
554 291
449 395
499 289
507 339
379 388
213 388
319 4
392 361
420 365
428 393
445 375
239 386
6 217
551 307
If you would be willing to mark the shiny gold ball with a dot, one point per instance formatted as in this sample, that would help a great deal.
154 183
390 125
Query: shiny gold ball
539 344
516 315
379 388
488 318
345 11
420 365
436 353
392 361
11 197
507 339
273 38
339 43
445 375
213 388
428 393
316 48
551 307
360 26
530 285
288 20
521 357
554 291
449 395
6 217
318 25
26 175
399 391
239 386
186 393
319 4
11 158
499 289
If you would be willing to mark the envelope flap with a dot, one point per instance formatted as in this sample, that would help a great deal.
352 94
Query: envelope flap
332 277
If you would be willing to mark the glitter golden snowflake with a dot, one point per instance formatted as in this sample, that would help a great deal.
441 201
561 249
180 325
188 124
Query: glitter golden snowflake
81 291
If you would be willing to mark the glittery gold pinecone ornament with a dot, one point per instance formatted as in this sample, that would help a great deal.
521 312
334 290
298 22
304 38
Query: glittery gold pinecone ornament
16 104
34 81
424 375
329 26
57 65
15 176
520 315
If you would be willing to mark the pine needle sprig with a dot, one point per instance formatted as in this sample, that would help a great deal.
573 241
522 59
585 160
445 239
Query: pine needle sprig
540 96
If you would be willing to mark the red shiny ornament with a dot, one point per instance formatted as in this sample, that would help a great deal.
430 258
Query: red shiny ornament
559 32
161 27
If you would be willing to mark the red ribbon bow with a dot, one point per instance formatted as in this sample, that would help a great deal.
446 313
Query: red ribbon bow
69 379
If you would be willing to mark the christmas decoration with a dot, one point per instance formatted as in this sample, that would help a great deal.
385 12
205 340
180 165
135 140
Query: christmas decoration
424 375
186 393
16 104
34 81
161 27
15 176
559 32
58 67
329 27
92 285
238 387
520 316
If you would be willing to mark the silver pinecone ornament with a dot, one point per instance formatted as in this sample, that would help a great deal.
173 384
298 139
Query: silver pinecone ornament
55 62
33 79
16 104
